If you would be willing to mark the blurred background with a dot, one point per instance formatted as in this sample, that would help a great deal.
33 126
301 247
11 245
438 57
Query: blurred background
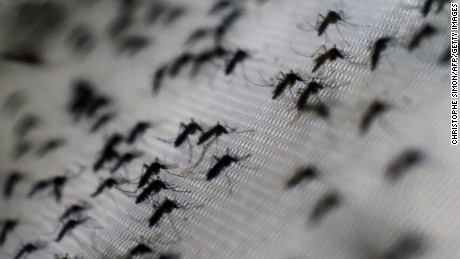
227 129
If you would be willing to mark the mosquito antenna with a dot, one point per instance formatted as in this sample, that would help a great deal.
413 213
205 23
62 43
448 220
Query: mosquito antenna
266 83
298 53
205 149
341 35
298 25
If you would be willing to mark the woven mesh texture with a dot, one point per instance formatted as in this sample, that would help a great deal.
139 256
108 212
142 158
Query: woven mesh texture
247 211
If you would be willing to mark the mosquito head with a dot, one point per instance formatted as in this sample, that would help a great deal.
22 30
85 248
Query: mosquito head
220 129
115 139
379 106
383 42
111 182
220 51
315 86
170 205
292 77
334 16
155 166
10 223
59 180
159 184
241 54
335 53
195 127
428 30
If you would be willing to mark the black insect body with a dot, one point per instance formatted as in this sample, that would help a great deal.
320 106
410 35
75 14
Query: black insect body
8 226
56 182
219 6
168 256
96 104
14 101
140 249
125 159
69 226
425 32
308 173
226 24
31 58
238 57
105 157
216 52
286 80
187 130
376 109
49 146
179 63
329 55
102 120
215 132
13 179
20 149
406 246
112 142
332 17
25 125
29 248
128 5
199 34
319 108
158 78
151 170
206 56
58 186
81 39
133 44
312 88
107 183
441 4
404 161
428 4
138 130
379 46
67 256
147 175
221 164
324 205
39 186
427 7
83 95
153 188
444 59
120 24
174 14
166 207
74 209
108 152
155 11
38 20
